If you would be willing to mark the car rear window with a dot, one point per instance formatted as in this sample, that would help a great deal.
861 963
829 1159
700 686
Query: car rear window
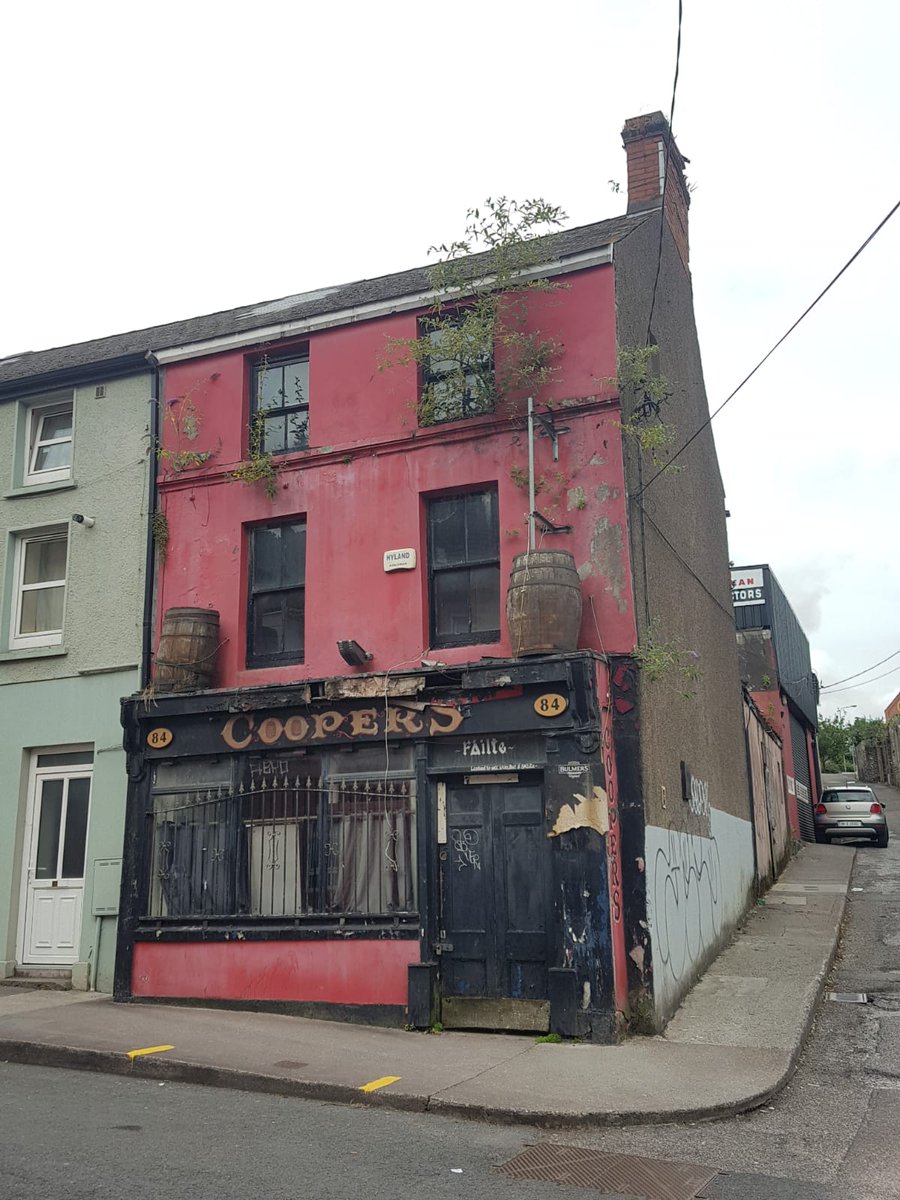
847 795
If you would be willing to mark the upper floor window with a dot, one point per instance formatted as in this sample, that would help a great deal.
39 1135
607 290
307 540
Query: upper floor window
49 449
458 374
276 599
39 588
280 399
464 568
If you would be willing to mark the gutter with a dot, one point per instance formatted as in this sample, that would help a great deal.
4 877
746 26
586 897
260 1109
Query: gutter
152 499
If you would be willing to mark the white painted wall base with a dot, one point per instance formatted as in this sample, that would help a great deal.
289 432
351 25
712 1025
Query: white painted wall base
698 888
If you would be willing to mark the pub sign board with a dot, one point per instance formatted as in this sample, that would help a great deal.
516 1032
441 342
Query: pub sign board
307 726
747 586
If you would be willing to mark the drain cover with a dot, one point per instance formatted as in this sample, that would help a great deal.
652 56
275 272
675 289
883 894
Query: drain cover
626 1174
847 997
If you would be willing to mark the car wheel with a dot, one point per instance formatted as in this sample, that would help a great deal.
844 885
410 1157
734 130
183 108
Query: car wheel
820 837
882 839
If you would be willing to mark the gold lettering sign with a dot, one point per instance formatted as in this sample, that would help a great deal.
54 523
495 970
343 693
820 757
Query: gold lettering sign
247 729
158 739
550 705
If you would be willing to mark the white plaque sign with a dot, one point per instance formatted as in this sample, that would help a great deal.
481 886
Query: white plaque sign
400 560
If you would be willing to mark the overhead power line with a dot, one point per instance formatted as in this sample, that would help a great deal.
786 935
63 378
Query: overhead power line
864 682
827 686
662 211
881 224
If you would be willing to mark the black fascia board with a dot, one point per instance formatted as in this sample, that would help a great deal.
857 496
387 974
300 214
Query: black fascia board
97 372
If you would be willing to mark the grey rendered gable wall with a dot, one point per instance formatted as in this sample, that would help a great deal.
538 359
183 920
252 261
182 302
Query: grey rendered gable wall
699 858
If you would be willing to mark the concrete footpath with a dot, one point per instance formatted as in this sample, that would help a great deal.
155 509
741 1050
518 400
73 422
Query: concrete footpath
734 1042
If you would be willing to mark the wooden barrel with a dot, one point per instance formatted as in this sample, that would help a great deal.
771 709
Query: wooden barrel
186 654
543 603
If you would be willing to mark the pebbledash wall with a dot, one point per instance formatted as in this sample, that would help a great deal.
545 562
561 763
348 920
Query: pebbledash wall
68 696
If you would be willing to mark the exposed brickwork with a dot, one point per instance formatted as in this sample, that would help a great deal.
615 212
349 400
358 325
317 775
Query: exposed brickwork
642 138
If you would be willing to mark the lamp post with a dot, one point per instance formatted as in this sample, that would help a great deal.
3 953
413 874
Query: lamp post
848 749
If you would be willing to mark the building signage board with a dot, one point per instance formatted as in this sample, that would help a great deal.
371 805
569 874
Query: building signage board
400 560
747 586
495 752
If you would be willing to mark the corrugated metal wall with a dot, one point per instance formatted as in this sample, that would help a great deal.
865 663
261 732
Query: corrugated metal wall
801 778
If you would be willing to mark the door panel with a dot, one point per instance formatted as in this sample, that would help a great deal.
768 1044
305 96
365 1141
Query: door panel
54 867
495 902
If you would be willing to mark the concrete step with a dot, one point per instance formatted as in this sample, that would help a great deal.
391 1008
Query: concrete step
47 979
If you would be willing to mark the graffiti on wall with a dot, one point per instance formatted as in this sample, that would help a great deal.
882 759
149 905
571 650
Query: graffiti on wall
697 890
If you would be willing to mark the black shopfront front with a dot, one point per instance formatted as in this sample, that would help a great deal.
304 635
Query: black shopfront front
430 847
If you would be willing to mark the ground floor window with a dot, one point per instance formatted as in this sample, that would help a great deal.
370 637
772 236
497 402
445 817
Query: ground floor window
283 835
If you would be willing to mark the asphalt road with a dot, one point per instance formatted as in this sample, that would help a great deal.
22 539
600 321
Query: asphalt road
829 1136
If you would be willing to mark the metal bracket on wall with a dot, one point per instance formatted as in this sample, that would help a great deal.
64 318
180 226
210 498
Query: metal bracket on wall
549 429
547 526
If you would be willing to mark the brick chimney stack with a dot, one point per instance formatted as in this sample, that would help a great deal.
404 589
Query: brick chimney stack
651 150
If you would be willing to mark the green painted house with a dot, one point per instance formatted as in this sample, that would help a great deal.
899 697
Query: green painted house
74 478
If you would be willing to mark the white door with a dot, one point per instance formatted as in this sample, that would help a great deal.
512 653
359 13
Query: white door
59 805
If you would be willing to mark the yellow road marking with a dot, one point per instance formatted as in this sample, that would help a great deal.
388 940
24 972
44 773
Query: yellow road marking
133 1054
379 1083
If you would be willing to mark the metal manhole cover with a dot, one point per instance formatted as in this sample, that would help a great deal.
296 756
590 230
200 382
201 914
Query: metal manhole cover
650 1178
289 1064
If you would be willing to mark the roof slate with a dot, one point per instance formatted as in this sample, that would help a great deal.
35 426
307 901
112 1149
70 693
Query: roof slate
55 362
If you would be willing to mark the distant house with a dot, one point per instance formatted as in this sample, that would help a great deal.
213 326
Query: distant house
376 774
893 709
776 667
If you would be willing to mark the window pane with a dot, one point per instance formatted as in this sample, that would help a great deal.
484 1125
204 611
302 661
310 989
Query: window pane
451 604
76 828
297 431
72 758
293 543
484 590
267 626
267 388
266 558
482 527
42 611
54 457
275 435
448 531
296 382
55 425
45 560
192 773
293 622
48 829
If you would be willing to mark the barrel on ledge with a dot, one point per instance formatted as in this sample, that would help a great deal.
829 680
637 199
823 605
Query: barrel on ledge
543 603
186 655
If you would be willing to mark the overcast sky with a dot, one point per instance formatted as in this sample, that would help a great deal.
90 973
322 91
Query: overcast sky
165 160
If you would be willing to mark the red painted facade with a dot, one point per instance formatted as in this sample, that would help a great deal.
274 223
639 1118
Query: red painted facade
361 487
332 972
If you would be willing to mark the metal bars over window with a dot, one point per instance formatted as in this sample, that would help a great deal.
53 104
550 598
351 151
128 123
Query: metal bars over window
280 399
285 844
464 568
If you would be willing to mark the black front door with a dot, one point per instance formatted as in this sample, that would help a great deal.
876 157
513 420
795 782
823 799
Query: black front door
494 876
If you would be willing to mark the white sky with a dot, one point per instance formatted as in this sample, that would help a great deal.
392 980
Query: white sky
165 160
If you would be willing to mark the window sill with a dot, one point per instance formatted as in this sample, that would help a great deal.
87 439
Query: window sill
38 489
33 652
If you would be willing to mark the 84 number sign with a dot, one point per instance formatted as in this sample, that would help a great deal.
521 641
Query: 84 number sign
551 704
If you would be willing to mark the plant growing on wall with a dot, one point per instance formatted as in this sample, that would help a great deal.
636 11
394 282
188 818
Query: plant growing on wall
261 466
182 417
666 660
644 391
159 528
475 349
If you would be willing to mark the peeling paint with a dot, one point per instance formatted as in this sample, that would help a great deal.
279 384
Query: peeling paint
577 498
597 461
591 812
641 865
585 571
603 492
636 954
586 995
608 556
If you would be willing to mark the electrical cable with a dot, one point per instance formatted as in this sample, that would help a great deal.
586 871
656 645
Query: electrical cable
662 211
856 674
766 357
864 683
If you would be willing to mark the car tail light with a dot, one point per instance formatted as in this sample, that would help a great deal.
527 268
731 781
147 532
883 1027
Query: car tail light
821 809
875 808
